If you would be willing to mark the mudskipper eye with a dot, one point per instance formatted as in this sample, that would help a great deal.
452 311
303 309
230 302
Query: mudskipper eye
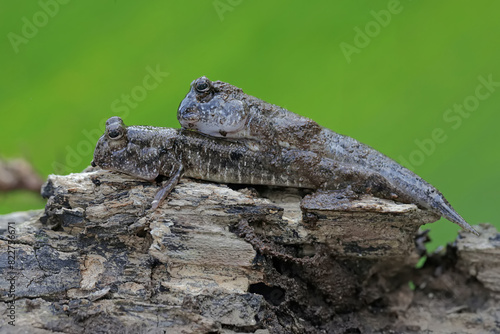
203 85
115 134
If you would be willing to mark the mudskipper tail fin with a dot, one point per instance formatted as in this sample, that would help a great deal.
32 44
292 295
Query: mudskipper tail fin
447 212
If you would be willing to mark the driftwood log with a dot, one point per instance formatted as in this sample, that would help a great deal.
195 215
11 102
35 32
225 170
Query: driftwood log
18 174
221 259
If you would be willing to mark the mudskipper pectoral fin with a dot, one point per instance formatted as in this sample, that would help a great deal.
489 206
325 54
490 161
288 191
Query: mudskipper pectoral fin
167 188
329 200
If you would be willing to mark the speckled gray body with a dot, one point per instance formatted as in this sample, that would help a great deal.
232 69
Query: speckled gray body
219 109
148 152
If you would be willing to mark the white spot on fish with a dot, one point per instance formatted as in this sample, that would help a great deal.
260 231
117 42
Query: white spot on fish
284 144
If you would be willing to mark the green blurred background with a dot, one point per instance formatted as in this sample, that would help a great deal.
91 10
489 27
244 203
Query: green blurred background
383 72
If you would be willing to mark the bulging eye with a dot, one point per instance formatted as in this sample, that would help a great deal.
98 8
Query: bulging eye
115 134
203 85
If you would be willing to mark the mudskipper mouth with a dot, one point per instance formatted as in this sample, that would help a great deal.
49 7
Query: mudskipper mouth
92 163
190 114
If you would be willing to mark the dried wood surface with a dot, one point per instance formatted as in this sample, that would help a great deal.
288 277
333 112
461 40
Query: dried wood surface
213 259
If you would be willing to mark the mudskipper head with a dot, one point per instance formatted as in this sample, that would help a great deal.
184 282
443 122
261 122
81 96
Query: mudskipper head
130 150
213 108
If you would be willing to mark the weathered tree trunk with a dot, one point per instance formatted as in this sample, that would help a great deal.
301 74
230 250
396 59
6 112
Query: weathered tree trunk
217 260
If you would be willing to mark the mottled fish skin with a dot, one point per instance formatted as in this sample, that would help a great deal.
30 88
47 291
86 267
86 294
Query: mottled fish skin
147 152
141 151
221 110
